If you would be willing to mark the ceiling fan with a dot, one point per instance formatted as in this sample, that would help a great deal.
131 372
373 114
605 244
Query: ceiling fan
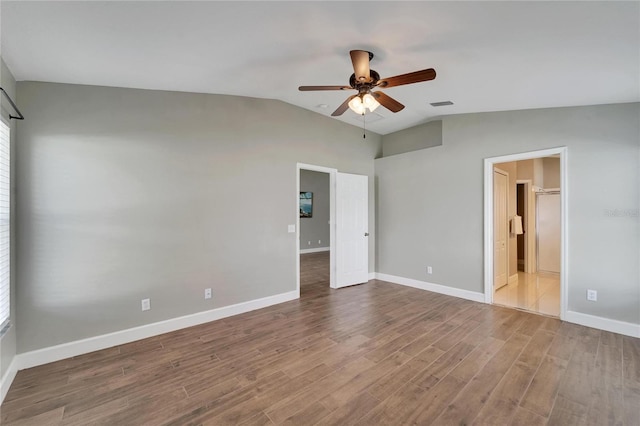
365 79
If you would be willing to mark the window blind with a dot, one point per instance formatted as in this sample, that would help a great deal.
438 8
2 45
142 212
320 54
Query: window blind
5 212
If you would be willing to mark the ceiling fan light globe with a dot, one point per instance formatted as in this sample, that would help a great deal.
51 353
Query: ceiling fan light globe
370 102
356 105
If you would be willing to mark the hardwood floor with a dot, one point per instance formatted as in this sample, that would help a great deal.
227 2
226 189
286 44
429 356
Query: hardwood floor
371 354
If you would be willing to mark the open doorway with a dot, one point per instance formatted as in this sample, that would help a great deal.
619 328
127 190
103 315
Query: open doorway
525 231
315 225
315 231
348 228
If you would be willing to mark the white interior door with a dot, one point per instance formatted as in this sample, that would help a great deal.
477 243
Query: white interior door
548 218
500 229
352 229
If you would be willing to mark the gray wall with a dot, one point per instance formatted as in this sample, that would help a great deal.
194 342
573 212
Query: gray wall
315 228
412 139
8 341
430 202
126 194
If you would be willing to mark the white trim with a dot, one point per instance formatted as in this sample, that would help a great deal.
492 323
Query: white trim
332 220
315 250
7 378
436 288
372 276
564 206
564 241
513 279
488 231
614 326
529 156
79 347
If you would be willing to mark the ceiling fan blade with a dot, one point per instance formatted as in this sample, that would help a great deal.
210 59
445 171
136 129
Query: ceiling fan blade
388 102
342 108
360 61
409 78
310 88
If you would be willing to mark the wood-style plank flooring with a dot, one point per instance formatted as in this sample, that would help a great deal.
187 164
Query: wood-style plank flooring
366 355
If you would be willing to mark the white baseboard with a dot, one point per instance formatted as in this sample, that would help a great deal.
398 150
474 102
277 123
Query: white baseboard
372 275
436 288
513 279
606 324
7 379
79 347
315 250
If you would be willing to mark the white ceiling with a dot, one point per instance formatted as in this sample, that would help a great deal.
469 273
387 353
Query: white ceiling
489 56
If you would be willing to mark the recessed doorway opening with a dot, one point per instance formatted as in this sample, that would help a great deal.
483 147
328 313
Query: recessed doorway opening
348 226
315 226
525 231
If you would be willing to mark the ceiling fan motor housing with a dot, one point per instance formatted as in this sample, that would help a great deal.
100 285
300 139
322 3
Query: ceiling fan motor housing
358 85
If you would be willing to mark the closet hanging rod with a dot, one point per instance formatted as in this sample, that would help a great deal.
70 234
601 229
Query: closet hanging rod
15 107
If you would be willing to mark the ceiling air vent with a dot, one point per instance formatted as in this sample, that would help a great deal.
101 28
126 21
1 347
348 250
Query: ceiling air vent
443 103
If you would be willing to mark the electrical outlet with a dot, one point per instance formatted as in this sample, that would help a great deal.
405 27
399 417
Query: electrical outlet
319 241
146 304
207 293
592 295
308 243
429 270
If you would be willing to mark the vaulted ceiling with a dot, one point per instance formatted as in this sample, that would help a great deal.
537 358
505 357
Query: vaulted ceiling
489 56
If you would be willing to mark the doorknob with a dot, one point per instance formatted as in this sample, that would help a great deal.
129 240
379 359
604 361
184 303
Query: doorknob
366 234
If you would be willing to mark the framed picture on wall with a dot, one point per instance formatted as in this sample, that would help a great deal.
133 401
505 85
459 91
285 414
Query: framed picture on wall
306 204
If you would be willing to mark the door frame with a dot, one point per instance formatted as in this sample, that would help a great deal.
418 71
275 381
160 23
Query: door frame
564 215
332 220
